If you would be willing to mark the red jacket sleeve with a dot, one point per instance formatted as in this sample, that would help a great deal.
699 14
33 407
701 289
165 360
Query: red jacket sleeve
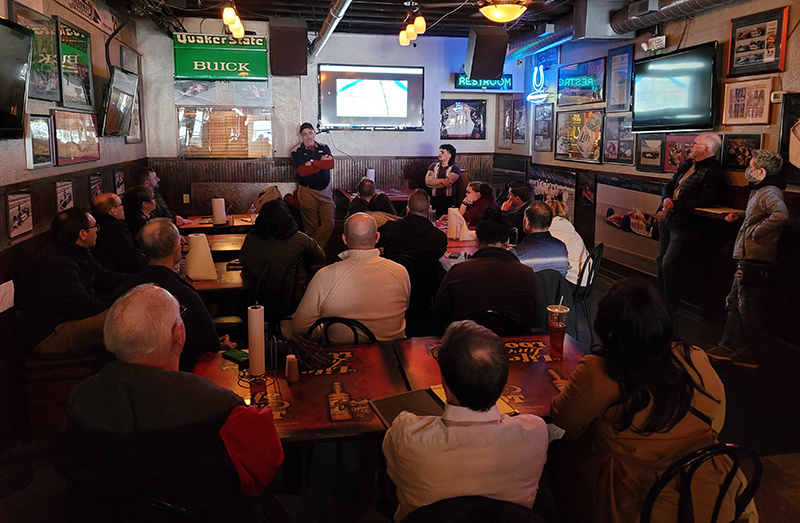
317 166
254 447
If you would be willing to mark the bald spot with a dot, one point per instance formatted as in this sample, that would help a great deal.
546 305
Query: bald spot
105 202
361 231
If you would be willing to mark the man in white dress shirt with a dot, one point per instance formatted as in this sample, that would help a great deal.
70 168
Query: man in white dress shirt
471 449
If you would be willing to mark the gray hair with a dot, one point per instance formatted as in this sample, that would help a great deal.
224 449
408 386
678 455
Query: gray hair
158 238
712 141
770 161
140 323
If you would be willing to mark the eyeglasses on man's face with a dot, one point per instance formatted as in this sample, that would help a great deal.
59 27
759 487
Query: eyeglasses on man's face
95 227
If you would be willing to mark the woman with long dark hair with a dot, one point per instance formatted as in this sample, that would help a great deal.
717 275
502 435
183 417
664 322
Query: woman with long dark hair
639 402
441 179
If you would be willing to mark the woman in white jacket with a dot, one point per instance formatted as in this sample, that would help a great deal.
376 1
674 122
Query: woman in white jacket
562 229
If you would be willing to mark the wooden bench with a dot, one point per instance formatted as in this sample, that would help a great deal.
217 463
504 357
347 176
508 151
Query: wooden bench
238 196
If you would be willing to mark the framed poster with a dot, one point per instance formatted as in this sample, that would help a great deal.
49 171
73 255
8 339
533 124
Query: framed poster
737 150
505 122
135 131
20 216
128 59
650 152
747 103
677 150
581 83
463 120
543 127
758 43
75 57
618 140
44 81
620 72
64 195
119 181
39 141
578 136
520 121
95 185
75 137
790 136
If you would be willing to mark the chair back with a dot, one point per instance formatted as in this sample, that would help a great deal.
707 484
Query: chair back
293 285
685 468
355 326
473 509
501 323
154 510
551 289
588 274
424 285
513 236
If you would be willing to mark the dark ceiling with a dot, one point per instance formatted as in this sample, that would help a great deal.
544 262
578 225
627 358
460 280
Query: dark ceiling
383 16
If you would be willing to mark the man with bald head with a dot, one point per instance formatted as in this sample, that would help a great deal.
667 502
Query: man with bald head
363 286
115 249
697 183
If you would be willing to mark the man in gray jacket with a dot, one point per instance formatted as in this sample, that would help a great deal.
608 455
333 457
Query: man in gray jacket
757 244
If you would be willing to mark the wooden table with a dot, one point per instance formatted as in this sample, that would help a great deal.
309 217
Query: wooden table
301 410
237 223
395 195
225 246
226 280
458 246
532 375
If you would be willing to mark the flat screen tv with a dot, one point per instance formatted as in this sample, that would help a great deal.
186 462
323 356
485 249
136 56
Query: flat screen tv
16 43
118 100
676 92
371 97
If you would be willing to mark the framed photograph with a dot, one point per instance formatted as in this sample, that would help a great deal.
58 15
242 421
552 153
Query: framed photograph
581 83
95 185
135 132
620 72
543 128
737 150
677 151
578 136
520 121
44 81
463 120
64 197
128 59
505 121
20 216
619 143
650 152
75 137
758 43
119 181
790 136
39 141
75 57
747 103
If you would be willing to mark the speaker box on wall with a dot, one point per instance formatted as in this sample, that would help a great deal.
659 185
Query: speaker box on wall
486 53
288 45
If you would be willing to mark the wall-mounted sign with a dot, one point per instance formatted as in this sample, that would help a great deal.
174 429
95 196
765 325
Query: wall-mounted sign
581 83
539 93
504 83
220 57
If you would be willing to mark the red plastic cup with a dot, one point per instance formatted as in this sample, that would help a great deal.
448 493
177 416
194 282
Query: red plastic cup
557 325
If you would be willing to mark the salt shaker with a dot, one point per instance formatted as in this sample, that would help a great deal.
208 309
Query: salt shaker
292 371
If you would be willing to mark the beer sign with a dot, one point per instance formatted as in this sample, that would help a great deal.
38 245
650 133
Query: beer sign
220 57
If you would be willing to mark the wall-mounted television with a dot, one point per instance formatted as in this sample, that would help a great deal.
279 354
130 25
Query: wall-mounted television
371 97
16 42
118 100
676 91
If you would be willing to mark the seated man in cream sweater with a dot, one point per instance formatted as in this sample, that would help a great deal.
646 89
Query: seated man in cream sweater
363 286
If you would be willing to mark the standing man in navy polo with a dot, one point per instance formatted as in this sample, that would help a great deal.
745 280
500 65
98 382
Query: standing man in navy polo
313 162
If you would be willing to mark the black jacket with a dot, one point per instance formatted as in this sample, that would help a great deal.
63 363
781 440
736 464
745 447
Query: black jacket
413 236
702 189
115 248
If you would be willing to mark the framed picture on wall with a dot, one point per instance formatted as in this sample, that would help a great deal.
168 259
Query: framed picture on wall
75 137
135 131
95 185
520 121
747 103
737 150
677 150
581 83
463 120
75 57
44 81
505 121
128 59
790 136
757 43
543 128
64 198
39 141
650 152
619 143
20 214
578 136
620 71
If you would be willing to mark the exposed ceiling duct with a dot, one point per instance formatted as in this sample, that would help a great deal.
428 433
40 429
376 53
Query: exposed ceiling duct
622 23
526 46
338 8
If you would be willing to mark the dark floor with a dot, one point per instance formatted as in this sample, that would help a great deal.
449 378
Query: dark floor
339 479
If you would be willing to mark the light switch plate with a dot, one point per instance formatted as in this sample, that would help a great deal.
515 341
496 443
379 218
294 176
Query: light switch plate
186 199
6 296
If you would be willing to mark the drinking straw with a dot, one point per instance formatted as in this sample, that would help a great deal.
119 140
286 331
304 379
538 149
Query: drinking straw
561 301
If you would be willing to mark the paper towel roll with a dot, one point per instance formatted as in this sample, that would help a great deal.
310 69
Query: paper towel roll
218 210
370 174
255 339
199 264
454 223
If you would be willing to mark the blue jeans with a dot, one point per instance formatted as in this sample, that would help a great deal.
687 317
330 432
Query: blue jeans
742 328
672 242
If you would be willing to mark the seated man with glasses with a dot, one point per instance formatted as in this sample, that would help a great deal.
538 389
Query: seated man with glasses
115 248
62 297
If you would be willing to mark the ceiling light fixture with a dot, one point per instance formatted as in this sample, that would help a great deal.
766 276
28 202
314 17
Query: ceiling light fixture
404 40
502 11
414 24
229 15
411 32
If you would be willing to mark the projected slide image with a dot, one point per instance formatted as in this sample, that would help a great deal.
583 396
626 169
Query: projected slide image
371 98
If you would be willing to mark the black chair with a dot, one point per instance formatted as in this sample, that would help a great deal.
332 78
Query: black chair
551 289
584 289
473 509
154 510
501 323
513 236
354 325
424 285
685 468
293 287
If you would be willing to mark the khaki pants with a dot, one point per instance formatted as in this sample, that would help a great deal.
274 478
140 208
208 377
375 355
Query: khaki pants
73 337
316 208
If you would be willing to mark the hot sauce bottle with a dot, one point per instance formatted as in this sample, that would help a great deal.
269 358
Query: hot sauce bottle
339 403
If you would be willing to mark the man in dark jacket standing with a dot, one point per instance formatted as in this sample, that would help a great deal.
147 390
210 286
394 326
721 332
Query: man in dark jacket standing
62 295
698 183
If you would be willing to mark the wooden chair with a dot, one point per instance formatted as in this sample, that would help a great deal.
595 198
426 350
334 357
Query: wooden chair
473 509
586 279
355 326
684 470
